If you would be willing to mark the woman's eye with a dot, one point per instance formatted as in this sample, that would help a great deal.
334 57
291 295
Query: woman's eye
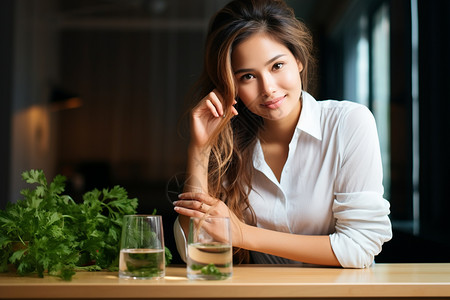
247 77
277 66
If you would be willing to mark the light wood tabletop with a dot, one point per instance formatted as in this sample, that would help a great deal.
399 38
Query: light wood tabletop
249 281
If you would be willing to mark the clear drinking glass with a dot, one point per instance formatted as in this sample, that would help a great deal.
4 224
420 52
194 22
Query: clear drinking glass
142 247
210 254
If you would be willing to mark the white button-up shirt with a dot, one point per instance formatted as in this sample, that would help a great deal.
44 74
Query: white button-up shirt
331 183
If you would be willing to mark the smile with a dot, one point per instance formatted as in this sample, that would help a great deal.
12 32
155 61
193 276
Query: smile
275 103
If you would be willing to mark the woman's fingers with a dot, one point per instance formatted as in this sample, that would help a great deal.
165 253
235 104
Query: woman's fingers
188 212
202 197
215 99
214 102
212 108
234 110
191 202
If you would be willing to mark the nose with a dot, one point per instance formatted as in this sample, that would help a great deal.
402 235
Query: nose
267 85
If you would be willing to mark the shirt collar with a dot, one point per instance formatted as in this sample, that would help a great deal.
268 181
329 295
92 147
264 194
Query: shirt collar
309 121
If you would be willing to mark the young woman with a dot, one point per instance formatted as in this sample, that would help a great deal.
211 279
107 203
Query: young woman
300 179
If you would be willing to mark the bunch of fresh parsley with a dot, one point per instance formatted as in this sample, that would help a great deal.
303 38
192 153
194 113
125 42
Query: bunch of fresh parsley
47 231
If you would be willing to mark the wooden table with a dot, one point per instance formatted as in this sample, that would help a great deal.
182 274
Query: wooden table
406 281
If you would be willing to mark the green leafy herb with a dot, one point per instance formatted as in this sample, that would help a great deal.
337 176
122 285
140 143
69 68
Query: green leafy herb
48 231
148 264
209 269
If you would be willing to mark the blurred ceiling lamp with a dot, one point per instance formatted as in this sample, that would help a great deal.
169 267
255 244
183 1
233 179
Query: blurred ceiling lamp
62 99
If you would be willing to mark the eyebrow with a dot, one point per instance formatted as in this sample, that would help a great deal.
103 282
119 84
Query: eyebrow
267 63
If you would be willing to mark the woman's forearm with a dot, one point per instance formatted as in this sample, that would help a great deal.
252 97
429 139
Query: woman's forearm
196 177
197 170
314 249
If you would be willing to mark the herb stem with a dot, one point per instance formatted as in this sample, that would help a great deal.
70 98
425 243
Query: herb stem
21 240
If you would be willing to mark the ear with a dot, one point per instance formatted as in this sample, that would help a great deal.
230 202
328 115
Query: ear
300 66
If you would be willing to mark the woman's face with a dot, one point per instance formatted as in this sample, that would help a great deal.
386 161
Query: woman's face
267 77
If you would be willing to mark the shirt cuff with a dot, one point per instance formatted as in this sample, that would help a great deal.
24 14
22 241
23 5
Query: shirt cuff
180 240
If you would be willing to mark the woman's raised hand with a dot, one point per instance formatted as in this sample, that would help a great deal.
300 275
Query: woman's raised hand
206 116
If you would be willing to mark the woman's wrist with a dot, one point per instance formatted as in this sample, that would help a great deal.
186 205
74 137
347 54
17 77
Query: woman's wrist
200 153
239 239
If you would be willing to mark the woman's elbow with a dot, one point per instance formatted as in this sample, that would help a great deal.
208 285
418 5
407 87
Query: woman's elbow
353 254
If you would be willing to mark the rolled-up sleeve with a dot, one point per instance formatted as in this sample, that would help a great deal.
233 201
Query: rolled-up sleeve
361 213
362 226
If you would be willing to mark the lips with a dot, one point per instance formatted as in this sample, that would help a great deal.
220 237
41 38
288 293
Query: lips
274 103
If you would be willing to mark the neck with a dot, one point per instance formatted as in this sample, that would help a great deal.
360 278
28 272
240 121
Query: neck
281 131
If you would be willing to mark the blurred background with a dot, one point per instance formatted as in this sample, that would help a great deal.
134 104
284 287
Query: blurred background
95 90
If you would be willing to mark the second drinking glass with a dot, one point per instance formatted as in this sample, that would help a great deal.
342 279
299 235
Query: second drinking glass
210 254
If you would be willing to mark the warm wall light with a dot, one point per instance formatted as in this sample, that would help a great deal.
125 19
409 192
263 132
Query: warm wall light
61 99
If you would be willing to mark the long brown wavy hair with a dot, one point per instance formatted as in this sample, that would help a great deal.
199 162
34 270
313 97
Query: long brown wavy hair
230 167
